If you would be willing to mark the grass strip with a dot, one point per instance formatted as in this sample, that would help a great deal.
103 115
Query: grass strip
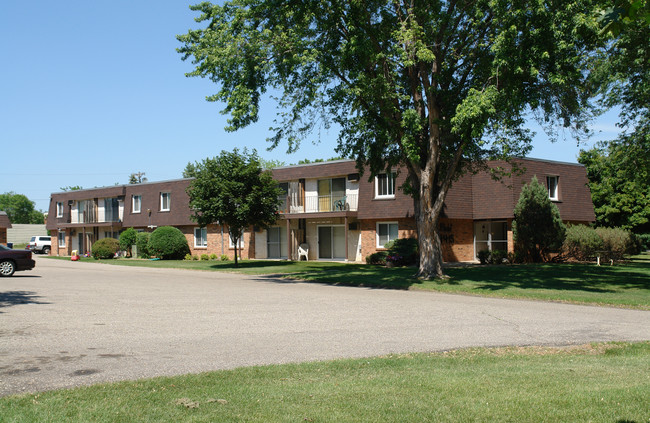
597 383
623 285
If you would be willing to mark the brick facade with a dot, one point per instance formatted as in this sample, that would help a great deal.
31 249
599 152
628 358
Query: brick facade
472 199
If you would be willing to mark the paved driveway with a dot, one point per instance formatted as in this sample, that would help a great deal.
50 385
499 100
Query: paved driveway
66 324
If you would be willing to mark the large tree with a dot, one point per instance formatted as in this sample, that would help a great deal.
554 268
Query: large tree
433 87
232 189
20 209
619 169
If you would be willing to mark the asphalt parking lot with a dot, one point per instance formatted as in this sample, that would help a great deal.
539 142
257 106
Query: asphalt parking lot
66 324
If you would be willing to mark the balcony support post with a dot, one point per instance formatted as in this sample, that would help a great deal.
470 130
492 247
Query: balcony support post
289 243
346 238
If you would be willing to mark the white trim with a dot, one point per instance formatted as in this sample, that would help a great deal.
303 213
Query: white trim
391 177
169 200
377 233
555 196
201 237
59 209
61 236
133 197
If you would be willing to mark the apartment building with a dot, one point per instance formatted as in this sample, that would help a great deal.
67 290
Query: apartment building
328 212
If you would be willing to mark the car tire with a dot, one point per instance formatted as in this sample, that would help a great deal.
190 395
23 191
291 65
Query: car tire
7 268
45 250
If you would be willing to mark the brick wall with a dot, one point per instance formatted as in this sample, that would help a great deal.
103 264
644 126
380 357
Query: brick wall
219 244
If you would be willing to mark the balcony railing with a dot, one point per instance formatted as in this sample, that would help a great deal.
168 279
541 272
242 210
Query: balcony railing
319 203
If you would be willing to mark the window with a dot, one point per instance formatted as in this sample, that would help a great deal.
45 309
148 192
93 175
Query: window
136 203
61 238
59 209
231 244
386 232
165 200
200 237
552 184
385 185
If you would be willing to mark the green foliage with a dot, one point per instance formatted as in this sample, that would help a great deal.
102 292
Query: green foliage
224 257
71 188
645 241
403 251
495 257
537 226
137 178
585 243
205 256
195 258
582 242
105 248
213 256
190 170
233 189
619 180
484 256
20 209
188 256
619 170
617 243
128 238
168 243
377 258
435 87
142 244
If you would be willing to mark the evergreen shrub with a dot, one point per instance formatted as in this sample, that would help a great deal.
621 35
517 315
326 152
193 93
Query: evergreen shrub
377 258
168 243
127 239
105 248
142 244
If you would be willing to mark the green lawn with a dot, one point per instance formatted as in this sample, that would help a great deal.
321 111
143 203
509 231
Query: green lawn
592 383
623 285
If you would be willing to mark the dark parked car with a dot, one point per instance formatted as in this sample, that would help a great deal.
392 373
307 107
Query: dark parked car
14 260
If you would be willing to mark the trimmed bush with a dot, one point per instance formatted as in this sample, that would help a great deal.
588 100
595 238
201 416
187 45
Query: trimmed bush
127 239
205 257
105 248
403 251
582 243
213 256
188 257
168 243
377 258
483 256
645 241
225 257
495 257
142 244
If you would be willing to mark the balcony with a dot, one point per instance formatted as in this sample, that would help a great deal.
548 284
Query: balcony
314 203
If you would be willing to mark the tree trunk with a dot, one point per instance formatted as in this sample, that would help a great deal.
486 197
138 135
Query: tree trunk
428 206
430 247
236 244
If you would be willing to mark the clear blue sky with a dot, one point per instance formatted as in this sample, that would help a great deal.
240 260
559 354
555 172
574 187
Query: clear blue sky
91 92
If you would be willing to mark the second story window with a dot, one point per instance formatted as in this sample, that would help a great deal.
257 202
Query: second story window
552 184
136 203
59 209
165 201
385 185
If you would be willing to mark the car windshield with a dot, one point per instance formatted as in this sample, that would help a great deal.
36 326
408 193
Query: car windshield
4 247
33 239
